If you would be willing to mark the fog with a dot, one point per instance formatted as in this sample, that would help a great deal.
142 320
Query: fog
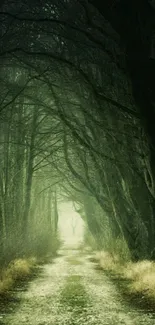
71 226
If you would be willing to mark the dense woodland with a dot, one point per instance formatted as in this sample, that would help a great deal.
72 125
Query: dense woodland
77 114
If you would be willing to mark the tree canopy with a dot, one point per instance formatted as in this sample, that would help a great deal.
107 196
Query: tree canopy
77 120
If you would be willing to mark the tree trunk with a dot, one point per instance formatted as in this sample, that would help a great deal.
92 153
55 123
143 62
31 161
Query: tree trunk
29 176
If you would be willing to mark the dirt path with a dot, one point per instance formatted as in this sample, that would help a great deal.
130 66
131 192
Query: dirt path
71 292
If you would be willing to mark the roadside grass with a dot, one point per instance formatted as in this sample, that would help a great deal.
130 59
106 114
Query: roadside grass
17 270
142 276
22 269
135 279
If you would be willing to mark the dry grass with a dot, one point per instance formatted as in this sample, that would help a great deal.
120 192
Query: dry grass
17 270
109 262
140 275
5 285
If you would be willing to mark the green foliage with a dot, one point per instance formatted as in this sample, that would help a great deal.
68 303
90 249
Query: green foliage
120 248
114 246
89 240
46 244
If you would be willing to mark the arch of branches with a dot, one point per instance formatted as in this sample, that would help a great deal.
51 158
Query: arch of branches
70 129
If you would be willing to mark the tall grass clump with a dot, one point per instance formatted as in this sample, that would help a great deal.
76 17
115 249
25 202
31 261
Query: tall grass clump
138 277
19 269
22 267
142 277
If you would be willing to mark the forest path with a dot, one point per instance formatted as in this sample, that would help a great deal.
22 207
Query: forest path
71 291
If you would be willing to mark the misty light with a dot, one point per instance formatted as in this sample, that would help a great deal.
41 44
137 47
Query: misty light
71 225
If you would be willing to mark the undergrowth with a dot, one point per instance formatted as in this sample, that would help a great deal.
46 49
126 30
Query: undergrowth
139 276
19 269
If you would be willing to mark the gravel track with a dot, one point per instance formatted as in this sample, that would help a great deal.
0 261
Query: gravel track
70 291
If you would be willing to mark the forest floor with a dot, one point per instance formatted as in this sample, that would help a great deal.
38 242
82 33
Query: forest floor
70 291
